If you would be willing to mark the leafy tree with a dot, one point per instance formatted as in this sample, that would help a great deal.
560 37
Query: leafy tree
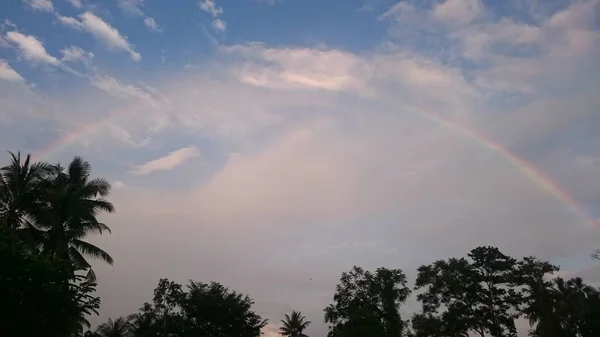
539 300
474 295
577 306
367 304
294 325
203 310
41 295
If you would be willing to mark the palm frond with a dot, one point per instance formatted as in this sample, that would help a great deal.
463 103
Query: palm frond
91 250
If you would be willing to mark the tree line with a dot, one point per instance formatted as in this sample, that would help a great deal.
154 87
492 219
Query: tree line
47 285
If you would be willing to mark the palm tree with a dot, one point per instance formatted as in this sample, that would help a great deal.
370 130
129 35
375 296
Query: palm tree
71 203
294 325
20 188
120 327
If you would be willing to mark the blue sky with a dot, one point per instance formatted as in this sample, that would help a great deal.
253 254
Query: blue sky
265 143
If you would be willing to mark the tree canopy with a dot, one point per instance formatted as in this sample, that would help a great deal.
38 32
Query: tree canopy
367 304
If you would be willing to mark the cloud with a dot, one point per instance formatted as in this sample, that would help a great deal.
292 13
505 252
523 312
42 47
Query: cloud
152 25
7 73
40 5
102 31
76 54
458 11
215 12
168 162
297 68
31 48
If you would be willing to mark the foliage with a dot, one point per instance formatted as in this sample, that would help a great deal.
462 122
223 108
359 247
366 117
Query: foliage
367 304
294 325
53 208
46 212
41 296
203 310
474 295
120 327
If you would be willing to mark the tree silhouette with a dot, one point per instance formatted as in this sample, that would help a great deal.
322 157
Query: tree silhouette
294 325
41 296
475 295
367 304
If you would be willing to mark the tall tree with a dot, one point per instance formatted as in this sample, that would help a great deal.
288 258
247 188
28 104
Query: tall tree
294 325
72 202
367 304
475 295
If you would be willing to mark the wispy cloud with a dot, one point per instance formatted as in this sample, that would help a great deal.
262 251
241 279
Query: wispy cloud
136 8
40 5
102 31
31 49
133 7
215 12
113 87
168 162
7 73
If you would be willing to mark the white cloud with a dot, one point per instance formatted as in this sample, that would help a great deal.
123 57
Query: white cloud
215 12
75 3
102 31
31 48
76 54
219 25
40 5
211 8
70 22
168 162
7 73
152 25
297 68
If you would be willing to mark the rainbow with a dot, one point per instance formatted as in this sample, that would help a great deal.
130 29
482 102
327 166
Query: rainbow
531 172
71 137
534 174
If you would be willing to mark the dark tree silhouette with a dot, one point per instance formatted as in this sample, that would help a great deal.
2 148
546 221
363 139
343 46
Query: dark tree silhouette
476 294
72 201
294 325
120 327
203 310
367 304
40 295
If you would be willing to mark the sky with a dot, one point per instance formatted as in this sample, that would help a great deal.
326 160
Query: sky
271 145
